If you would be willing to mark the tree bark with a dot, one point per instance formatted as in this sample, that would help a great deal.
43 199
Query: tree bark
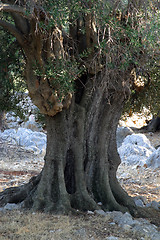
81 156
3 124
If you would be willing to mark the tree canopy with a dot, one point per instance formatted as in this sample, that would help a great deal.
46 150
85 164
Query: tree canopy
118 21
145 90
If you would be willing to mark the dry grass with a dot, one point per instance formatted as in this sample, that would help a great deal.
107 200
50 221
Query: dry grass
40 226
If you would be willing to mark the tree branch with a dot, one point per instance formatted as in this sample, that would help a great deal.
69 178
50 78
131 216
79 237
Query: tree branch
15 9
12 29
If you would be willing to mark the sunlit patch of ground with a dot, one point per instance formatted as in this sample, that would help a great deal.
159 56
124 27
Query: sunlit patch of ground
137 120
141 181
12 178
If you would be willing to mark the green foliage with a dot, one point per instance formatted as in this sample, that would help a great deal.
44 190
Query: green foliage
40 118
119 33
61 75
122 40
149 96
11 68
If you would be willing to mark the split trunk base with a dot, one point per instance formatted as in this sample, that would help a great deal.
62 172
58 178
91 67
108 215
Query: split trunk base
80 163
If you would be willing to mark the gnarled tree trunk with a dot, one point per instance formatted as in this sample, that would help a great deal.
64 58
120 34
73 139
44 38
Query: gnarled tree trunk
81 157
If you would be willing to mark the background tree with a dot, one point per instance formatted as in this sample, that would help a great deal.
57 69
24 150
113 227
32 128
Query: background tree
145 91
79 58
11 76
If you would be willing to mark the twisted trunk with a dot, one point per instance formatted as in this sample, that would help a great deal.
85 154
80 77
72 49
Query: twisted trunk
81 156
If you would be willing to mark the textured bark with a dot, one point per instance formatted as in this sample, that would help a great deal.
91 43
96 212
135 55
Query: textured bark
81 156
3 124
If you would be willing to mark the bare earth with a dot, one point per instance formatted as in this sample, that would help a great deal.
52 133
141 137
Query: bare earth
142 180
17 166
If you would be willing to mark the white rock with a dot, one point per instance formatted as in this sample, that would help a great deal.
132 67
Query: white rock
32 118
34 141
121 133
142 202
31 125
154 159
23 131
135 149
112 238
154 204
139 140
12 206
100 212
112 223
90 212
8 135
139 203
8 132
122 219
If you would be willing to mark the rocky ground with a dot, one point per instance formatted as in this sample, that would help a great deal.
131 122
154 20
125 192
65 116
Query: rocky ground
18 165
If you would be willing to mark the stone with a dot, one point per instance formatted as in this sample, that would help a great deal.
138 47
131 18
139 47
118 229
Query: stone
90 212
121 133
100 212
139 202
107 217
154 204
139 140
123 219
155 236
31 125
81 233
34 141
127 227
154 159
146 230
8 135
112 238
12 206
135 149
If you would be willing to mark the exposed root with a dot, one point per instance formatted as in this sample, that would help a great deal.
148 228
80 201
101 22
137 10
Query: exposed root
151 214
82 202
19 194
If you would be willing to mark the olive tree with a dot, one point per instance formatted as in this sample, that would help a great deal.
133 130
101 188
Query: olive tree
79 57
